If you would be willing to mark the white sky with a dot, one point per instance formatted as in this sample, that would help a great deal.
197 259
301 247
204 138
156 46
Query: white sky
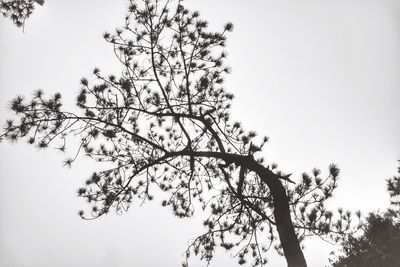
321 78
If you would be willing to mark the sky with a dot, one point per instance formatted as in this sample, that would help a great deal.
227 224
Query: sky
320 78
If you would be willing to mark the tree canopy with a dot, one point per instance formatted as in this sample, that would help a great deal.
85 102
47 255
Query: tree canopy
379 243
378 246
393 187
18 10
164 125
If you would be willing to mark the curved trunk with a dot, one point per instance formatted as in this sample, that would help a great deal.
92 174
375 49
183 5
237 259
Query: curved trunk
290 244
287 235
284 225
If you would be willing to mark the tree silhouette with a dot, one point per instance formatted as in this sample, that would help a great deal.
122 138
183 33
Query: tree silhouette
378 246
393 187
18 10
164 124
380 242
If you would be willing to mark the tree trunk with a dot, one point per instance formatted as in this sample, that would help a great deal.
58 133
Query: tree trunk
287 235
290 244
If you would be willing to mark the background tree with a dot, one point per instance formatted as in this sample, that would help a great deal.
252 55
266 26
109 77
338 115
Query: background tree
18 10
393 187
380 241
164 124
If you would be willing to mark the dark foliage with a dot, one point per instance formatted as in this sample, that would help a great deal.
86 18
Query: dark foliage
379 244
393 187
164 124
18 10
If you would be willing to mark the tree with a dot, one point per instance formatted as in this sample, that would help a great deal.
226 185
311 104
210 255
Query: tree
378 246
165 123
393 187
18 10
380 241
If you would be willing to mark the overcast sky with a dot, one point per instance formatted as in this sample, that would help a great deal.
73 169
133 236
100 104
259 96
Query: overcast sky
321 78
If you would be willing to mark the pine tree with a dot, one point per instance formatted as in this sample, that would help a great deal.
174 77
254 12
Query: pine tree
18 10
164 124
379 243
